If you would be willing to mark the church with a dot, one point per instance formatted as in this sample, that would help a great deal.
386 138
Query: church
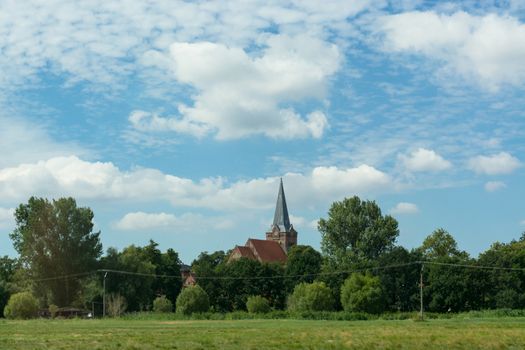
279 239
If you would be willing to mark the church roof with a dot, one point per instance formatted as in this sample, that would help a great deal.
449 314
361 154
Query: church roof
281 217
266 251
245 252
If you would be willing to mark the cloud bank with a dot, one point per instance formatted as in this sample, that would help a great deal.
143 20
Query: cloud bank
488 50
72 176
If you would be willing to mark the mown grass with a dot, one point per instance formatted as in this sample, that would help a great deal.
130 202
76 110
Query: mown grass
475 333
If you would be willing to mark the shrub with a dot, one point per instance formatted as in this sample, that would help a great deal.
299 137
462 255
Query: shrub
162 304
192 299
53 309
508 299
21 305
115 305
362 293
257 305
314 296
4 296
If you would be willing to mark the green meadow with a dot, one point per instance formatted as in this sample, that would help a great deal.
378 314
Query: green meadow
486 333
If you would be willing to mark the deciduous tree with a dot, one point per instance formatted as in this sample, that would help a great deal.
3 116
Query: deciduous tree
56 238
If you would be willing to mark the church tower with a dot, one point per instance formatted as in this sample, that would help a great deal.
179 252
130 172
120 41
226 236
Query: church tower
281 230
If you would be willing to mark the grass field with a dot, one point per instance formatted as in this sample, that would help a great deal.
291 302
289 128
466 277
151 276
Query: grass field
497 333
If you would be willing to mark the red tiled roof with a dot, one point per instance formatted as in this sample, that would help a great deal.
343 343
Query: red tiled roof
267 251
245 252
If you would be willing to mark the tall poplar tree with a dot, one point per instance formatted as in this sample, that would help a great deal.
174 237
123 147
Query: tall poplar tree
56 239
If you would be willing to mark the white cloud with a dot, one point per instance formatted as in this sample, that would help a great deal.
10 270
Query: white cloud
146 121
22 141
404 208
486 49
313 224
99 41
140 221
522 222
333 180
71 176
239 95
424 160
493 186
298 221
501 163
7 219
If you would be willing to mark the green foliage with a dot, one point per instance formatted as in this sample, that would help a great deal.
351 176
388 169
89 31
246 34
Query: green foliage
314 296
53 310
400 289
303 263
441 244
8 268
207 265
503 288
56 239
354 236
141 290
162 304
357 228
448 288
257 304
192 300
362 293
250 277
4 296
115 305
21 305
166 264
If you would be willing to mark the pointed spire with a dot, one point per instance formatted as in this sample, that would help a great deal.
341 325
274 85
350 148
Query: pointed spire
281 217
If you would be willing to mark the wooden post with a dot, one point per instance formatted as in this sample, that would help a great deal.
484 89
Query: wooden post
104 296
421 293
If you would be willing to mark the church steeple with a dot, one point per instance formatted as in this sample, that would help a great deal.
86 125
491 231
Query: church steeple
282 231
281 217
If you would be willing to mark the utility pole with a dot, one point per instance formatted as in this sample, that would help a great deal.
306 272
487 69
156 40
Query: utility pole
104 296
421 292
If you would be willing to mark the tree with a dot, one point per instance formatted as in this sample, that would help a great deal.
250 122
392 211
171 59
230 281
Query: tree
354 236
136 289
400 283
7 272
503 288
207 265
362 293
314 296
56 239
447 287
166 264
440 244
140 290
303 264
356 230
246 277
191 300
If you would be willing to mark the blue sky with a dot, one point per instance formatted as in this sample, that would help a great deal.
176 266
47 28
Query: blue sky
175 120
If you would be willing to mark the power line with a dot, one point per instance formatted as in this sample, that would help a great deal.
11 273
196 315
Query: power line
481 267
63 276
332 273
262 277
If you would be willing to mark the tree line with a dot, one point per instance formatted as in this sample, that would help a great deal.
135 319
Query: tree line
359 265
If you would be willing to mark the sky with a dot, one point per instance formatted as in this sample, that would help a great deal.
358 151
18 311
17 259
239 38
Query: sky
175 120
